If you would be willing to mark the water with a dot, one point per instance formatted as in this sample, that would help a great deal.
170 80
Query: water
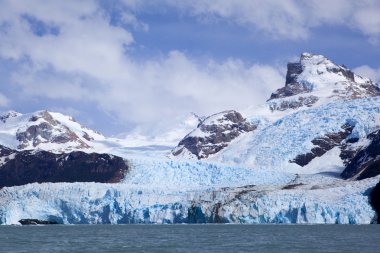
190 238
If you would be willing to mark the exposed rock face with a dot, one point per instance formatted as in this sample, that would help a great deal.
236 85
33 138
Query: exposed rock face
366 163
374 199
315 73
36 222
45 129
292 86
324 144
293 104
213 134
23 167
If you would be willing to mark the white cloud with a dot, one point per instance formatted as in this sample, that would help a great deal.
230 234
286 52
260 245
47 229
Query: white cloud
4 101
164 89
276 18
291 19
86 62
367 71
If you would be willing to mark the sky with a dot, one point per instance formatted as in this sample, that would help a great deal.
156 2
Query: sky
143 66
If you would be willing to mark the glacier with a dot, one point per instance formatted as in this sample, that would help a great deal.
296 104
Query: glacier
166 191
280 140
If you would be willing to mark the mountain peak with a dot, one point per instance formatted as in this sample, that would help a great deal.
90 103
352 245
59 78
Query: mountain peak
9 114
307 56
314 78
44 130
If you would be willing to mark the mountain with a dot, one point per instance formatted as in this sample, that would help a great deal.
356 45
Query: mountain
213 134
316 123
45 130
310 154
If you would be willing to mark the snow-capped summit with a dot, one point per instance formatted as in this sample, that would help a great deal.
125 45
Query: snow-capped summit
9 114
316 80
213 134
44 130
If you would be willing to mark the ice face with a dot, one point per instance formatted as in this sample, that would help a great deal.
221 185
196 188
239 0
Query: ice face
72 203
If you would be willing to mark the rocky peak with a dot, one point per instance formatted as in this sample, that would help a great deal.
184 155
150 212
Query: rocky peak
315 77
10 114
213 134
44 130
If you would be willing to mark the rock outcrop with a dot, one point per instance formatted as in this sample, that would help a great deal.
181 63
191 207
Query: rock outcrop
213 134
324 144
36 222
366 163
374 199
23 167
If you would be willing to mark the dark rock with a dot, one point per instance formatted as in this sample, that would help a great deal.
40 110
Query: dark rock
374 200
217 131
291 90
294 69
344 71
291 186
42 166
366 163
293 104
87 137
324 144
36 222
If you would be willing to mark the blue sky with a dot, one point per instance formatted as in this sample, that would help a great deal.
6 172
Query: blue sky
122 65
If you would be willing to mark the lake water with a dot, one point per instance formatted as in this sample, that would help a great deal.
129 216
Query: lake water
190 238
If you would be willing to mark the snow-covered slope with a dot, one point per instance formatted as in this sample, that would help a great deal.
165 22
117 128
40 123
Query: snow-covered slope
276 145
44 130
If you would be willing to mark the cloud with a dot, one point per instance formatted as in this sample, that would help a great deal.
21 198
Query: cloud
289 19
367 71
280 19
67 52
4 101
178 84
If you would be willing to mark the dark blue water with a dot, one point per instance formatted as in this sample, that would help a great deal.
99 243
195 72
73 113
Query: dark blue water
190 238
